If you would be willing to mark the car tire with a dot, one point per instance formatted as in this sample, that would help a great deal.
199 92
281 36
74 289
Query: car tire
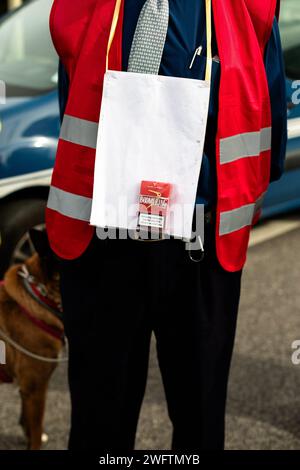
16 218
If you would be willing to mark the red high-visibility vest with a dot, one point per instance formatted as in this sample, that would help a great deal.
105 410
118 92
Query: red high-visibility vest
80 33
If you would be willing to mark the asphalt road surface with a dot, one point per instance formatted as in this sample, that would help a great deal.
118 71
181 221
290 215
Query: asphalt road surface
263 409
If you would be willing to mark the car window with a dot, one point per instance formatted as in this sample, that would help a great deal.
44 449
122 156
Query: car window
28 61
290 35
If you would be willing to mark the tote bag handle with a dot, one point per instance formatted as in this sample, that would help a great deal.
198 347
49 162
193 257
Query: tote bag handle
208 35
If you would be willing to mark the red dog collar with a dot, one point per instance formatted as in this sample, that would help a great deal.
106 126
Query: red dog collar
52 331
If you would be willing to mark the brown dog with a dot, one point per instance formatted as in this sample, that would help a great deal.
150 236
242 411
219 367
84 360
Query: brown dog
30 316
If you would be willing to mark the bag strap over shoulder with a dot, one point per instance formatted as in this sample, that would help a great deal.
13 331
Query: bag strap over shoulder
208 38
113 28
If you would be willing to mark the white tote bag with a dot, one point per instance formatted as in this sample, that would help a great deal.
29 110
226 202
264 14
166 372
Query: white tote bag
151 128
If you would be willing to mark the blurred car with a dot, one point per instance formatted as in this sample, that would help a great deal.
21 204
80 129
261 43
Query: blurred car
284 195
29 123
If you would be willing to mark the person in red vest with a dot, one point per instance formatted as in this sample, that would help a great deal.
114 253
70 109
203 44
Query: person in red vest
115 293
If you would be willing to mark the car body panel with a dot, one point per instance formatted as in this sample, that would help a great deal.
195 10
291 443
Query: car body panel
29 134
284 195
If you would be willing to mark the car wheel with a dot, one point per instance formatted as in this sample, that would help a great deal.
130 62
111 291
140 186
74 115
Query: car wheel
16 218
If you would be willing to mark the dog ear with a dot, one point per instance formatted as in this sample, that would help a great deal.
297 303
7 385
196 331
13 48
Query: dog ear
40 241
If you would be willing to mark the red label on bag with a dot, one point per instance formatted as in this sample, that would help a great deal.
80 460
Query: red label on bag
153 204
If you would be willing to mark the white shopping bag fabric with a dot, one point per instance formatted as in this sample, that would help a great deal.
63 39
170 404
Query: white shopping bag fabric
151 128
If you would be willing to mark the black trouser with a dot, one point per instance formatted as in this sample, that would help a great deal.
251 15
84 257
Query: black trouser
114 296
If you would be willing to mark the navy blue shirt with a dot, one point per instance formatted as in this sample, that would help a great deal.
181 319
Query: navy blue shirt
186 32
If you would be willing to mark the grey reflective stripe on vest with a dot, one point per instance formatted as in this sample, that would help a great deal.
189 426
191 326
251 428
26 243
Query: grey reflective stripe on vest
259 203
231 221
79 131
250 144
70 205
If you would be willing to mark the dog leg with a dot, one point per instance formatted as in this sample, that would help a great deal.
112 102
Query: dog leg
22 420
33 415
